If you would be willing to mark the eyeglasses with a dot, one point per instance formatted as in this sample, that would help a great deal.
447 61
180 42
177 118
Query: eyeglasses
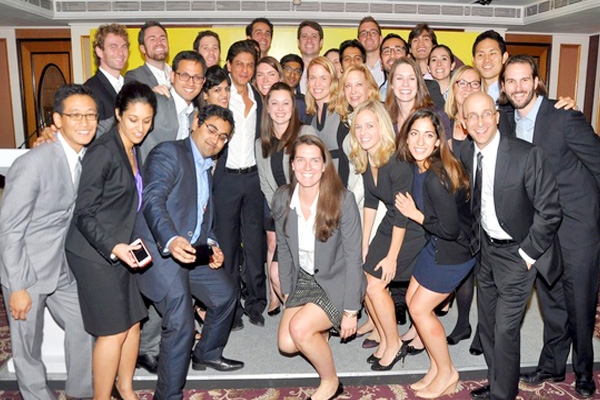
290 70
185 77
365 34
486 115
79 117
463 84
397 50
214 132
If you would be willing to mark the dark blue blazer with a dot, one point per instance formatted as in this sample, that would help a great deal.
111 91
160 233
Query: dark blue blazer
169 209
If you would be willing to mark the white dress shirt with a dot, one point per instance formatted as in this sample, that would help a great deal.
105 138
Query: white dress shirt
489 218
377 72
163 76
73 157
306 232
241 145
184 110
116 83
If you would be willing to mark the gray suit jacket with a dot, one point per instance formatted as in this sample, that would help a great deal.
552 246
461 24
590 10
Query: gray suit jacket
166 125
268 185
143 75
338 261
35 214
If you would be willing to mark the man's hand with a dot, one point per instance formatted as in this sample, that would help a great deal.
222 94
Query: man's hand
566 102
47 135
216 260
162 89
20 304
182 250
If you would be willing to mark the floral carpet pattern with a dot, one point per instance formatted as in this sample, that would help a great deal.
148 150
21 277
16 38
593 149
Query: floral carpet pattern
547 391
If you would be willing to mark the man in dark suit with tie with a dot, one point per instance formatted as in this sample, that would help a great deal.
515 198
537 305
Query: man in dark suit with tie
111 52
177 214
517 213
37 208
572 149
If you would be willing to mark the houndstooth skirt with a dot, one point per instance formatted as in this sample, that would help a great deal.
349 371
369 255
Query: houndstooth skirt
309 291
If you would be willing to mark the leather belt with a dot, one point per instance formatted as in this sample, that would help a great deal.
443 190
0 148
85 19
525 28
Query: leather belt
241 170
499 242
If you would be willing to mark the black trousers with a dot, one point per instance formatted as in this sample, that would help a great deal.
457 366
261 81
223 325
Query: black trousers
504 287
569 311
239 214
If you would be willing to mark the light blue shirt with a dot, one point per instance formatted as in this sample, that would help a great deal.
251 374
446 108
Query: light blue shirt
526 125
494 91
383 90
203 165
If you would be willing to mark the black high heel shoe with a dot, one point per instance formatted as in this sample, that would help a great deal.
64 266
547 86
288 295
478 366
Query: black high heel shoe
373 359
338 392
439 310
400 356
413 351
452 340
274 312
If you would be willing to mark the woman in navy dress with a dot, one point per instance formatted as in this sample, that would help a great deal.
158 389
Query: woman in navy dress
439 203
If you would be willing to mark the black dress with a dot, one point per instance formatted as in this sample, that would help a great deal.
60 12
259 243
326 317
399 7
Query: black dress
394 177
439 273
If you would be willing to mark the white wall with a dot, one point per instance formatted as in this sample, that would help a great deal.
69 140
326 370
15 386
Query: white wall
15 86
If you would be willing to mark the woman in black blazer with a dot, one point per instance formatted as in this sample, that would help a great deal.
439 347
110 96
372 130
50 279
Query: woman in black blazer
439 202
97 245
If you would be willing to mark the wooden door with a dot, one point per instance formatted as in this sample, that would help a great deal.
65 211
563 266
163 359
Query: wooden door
537 46
46 64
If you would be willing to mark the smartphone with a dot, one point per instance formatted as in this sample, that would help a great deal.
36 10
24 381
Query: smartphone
142 255
204 253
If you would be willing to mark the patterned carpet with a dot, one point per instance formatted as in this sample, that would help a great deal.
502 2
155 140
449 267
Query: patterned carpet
555 391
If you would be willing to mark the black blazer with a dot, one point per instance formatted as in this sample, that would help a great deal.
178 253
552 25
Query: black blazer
107 202
573 152
222 158
526 201
447 219
104 94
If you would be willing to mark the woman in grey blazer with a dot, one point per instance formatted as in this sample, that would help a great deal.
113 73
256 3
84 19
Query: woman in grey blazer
280 127
318 232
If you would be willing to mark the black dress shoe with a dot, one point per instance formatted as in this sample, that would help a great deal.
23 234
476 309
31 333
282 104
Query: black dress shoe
274 311
372 359
482 393
538 377
148 362
400 355
585 385
237 326
221 364
255 318
455 339
475 351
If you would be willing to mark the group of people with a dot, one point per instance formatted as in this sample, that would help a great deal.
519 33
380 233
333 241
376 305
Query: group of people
381 174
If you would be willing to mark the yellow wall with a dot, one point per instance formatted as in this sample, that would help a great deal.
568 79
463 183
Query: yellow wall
285 42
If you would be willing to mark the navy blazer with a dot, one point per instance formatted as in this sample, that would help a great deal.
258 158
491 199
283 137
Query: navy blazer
169 209
104 94
448 219
526 201
573 152
107 202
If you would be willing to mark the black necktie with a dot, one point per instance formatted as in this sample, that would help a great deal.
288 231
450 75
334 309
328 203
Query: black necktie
476 208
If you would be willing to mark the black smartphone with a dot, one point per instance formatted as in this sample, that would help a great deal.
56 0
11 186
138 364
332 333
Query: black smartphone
203 254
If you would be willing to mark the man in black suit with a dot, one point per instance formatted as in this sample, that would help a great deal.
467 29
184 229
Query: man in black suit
176 222
572 149
239 202
154 45
111 52
517 213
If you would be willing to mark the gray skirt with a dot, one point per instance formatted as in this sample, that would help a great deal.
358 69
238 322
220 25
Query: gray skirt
309 291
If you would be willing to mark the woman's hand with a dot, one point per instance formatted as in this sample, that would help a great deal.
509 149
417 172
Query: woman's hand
406 205
123 252
388 268
348 326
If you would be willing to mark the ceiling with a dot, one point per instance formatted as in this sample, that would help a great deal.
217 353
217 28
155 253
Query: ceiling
546 16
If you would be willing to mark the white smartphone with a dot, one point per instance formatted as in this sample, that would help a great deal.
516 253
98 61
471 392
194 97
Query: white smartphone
142 255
